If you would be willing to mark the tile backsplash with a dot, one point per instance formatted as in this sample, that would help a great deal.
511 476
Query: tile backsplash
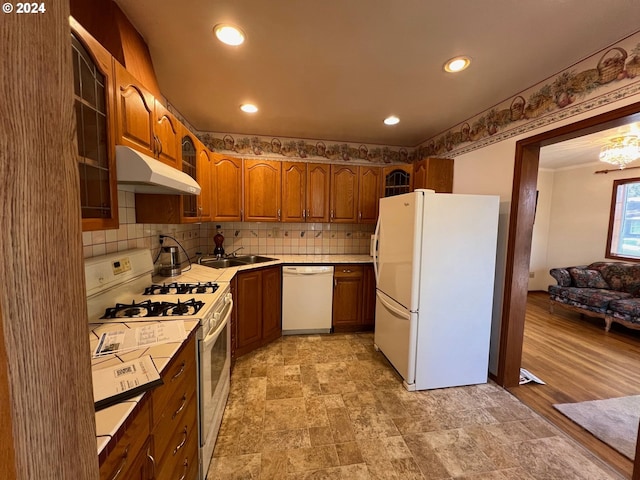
255 238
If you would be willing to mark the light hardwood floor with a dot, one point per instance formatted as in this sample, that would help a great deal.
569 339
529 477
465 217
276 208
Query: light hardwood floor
579 361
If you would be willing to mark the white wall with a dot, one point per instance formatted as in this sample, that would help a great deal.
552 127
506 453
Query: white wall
489 170
539 277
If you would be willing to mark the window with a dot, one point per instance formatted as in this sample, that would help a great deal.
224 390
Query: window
623 240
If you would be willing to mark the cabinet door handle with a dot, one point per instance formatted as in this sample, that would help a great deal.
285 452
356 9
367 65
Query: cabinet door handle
359 216
123 462
278 214
159 145
335 282
184 402
153 462
331 214
185 470
180 372
346 271
154 147
304 213
184 440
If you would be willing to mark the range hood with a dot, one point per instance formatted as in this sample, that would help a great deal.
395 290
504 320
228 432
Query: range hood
144 174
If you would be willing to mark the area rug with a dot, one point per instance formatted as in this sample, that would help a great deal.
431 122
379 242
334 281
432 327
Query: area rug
614 421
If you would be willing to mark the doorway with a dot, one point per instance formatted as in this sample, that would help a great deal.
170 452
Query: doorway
522 212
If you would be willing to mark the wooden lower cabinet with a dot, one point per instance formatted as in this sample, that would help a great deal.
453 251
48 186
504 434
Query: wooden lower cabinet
128 458
258 305
353 298
160 439
175 416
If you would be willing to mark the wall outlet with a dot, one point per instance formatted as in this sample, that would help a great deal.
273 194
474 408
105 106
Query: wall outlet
532 274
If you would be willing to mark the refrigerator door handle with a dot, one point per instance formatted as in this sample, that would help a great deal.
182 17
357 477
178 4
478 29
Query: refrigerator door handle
375 251
392 308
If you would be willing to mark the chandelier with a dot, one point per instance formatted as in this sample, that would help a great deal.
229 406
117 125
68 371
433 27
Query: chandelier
621 151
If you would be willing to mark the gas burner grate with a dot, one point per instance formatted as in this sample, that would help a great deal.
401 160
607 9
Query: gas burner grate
133 310
148 308
177 288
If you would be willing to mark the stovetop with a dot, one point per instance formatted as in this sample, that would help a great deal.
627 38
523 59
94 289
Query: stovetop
121 288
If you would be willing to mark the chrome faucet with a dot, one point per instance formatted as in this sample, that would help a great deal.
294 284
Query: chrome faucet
233 254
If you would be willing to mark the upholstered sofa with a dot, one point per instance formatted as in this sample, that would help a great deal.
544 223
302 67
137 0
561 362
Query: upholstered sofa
607 290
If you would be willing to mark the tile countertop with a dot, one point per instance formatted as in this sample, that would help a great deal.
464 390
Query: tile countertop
227 274
110 419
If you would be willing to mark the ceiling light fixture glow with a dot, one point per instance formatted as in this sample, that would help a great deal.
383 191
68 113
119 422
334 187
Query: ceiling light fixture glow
229 34
457 64
392 120
248 108
621 151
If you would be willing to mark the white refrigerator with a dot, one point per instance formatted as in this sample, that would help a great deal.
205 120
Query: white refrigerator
435 268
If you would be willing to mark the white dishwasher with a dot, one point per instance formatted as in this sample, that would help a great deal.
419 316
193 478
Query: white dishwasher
307 299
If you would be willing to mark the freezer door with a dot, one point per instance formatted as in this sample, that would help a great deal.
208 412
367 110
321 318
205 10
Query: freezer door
395 335
399 238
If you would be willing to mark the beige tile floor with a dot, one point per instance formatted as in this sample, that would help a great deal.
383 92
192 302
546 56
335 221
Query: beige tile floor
331 407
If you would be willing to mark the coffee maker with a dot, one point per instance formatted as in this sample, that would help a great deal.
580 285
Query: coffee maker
169 262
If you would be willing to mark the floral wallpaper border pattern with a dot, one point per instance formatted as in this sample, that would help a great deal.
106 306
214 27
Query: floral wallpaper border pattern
305 149
605 77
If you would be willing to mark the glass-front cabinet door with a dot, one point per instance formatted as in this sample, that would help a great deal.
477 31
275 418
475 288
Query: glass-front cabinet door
92 83
189 166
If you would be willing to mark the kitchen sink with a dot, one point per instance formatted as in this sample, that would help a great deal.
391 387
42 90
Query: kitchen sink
234 261
222 263
251 259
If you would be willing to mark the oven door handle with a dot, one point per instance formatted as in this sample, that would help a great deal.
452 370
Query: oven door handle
211 337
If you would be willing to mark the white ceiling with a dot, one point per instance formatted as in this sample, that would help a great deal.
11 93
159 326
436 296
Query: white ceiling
584 149
333 69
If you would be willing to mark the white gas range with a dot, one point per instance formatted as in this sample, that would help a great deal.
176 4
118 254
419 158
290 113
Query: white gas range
121 288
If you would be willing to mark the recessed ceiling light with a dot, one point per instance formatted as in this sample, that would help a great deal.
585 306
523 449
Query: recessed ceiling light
229 34
248 108
392 120
457 64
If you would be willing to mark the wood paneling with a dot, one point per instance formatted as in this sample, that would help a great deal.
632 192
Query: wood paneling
578 361
46 339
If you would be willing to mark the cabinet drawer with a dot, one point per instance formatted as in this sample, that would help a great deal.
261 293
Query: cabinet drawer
177 444
169 431
133 436
181 371
346 271
186 466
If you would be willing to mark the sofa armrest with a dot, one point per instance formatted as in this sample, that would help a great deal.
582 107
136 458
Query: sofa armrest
561 276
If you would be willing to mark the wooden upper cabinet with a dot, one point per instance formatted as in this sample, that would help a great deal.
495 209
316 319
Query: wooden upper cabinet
205 167
318 188
344 194
93 103
368 194
135 108
294 187
189 165
226 188
262 191
397 179
434 174
167 134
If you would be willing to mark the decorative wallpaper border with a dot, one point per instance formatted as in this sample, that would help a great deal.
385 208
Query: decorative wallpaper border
605 77
256 146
